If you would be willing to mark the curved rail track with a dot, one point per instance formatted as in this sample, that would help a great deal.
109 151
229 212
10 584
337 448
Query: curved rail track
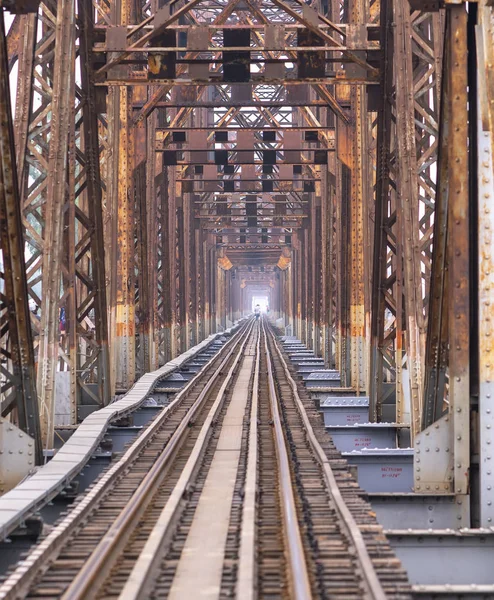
234 490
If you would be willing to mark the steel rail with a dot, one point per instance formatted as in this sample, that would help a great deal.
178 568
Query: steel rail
298 571
17 583
78 449
246 585
369 575
96 569
141 577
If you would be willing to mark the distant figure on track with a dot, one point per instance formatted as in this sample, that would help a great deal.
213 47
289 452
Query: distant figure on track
257 311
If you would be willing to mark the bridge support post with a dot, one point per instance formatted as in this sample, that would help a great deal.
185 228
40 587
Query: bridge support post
19 397
485 166
407 140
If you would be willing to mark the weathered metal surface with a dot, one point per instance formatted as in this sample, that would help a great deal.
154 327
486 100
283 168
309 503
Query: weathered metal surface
458 251
123 303
18 455
417 511
469 555
51 259
408 133
18 390
448 353
485 166
408 209
58 162
93 365
180 164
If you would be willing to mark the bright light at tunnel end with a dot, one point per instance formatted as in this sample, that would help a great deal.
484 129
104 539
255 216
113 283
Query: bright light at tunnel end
262 301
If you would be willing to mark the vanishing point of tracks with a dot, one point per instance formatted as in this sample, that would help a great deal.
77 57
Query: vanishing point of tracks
234 490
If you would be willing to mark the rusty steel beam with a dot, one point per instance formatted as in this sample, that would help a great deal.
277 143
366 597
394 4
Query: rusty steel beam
448 353
384 219
142 288
152 170
160 93
122 302
121 242
164 272
458 248
58 166
24 97
94 367
18 392
14 40
457 382
309 18
405 196
51 260
485 165
155 32
289 25
260 48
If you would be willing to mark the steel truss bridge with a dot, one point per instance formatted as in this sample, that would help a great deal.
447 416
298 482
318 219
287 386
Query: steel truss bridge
164 163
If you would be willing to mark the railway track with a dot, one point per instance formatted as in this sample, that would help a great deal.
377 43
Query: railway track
235 490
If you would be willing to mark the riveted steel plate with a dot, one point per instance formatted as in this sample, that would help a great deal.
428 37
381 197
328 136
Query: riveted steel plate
416 511
345 414
369 435
383 470
446 557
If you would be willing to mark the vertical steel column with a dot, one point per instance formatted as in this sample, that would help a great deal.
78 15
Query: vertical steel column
330 264
165 297
54 142
448 349
309 283
181 279
94 302
485 165
192 274
405 196
289 321
68 359
62 100
208 282
317 288
142 291
176 259
298 287
200 283
152 201
123 356
358 16
18 391
325 267
220 298
138 192
357 310
24 98
344 264
121 243
306 283
382 351
214 276
458 243
408 209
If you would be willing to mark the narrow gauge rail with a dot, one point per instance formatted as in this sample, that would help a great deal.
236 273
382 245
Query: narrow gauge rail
235 490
